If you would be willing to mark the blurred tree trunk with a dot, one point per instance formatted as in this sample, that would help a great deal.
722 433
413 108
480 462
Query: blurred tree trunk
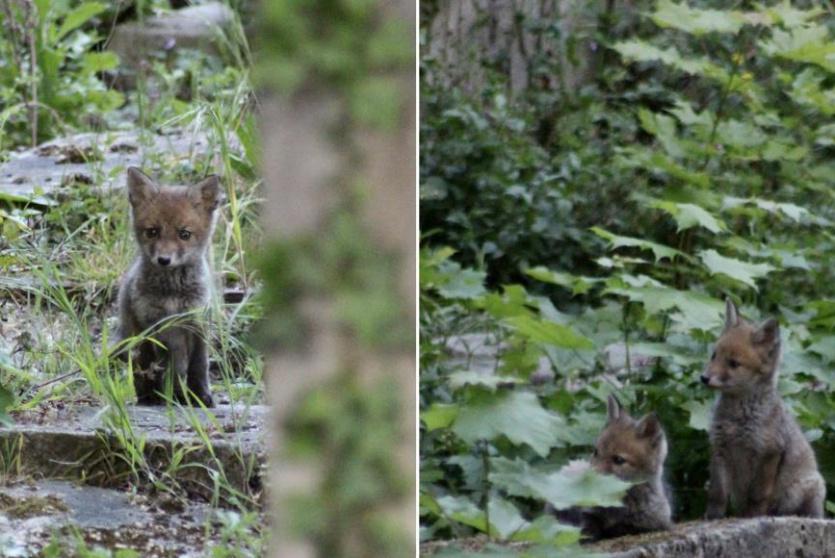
549 42
311 175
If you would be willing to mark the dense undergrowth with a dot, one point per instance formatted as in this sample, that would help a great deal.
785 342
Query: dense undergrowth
593 233
62 254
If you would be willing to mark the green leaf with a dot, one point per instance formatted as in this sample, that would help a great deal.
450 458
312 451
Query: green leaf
549 333
7 399
505 519
93 62
546 529
466 284
688 215
737 270
439 415
489 381
696 21
662 127
700 414
79 16
697 310
573 485
641 51
577 284
616 241
810 44
517 415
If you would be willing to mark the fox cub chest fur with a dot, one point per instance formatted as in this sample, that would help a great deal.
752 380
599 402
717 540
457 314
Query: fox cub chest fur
173 227
632 450
761 463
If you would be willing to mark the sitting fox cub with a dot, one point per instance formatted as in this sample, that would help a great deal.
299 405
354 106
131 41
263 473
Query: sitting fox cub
173 227
632 450
760 460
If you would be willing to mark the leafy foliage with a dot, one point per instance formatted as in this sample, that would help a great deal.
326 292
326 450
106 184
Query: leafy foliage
608 223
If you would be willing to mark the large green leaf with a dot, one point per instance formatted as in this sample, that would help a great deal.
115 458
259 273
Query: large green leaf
696 310
810 44
642 51
688 215
549 333
574 485
696 21
439 415
617 241
79 16
744 272
517 415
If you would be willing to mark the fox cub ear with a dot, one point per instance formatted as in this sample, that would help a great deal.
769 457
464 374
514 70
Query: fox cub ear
650 427
207 192
731 314
767 334
613 408
140 186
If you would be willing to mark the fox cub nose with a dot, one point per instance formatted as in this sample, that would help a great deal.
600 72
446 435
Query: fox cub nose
705 379
162 260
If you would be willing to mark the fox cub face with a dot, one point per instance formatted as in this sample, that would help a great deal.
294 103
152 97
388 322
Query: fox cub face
745 355
173 224
632 450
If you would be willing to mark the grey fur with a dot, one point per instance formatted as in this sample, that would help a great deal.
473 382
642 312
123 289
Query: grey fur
761 463
151 295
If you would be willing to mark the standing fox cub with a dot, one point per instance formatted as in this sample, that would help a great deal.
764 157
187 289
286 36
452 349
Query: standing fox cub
760 461
632 450
170 276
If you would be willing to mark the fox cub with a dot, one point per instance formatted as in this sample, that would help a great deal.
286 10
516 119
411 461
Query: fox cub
760 461
173 227
632 450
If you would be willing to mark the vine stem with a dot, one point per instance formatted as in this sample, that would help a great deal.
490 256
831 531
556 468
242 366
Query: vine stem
485 463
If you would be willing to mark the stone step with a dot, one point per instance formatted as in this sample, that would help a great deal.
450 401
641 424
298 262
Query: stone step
80 443
39 174
35 514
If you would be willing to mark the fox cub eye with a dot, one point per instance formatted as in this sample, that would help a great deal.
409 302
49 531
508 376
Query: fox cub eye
151 232
184 234
733 363
618 460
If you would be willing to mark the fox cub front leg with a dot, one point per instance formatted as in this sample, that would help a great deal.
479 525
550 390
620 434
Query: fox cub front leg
717 495
197 376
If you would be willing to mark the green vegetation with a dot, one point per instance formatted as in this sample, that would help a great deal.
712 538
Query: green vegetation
61 254
593 231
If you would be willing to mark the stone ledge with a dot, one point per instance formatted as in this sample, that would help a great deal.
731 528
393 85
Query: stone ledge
771 537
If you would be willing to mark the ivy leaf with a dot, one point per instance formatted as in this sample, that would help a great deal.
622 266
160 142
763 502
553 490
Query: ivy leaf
738 270
516 415
662 127
573 485
616 241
